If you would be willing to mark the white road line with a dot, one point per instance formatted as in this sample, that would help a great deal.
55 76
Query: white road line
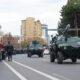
15 72
37 71
62 77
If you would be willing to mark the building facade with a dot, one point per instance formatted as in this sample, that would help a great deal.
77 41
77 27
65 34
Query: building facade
13 40
31 29
44 32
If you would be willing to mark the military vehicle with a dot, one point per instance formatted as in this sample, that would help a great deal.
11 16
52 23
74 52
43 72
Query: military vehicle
34 48
65 47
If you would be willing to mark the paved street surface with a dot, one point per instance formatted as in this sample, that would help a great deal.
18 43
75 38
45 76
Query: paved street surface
34 68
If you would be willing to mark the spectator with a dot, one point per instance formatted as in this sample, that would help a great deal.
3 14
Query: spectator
9 51
3 50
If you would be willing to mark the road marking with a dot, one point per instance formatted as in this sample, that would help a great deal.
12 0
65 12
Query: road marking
62 77
37 71
15 72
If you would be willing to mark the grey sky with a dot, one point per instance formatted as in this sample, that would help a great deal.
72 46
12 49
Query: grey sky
13 11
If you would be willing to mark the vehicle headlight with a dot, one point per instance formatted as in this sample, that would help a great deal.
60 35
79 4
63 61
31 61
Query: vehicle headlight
65 47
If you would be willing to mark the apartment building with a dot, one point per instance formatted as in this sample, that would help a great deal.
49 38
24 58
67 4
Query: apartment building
31 29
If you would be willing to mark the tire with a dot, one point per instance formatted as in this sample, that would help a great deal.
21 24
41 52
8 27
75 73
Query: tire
74 60
52 56
29 54
41 55
59 57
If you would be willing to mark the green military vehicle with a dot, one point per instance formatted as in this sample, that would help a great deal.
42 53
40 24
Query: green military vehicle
34 48
65 47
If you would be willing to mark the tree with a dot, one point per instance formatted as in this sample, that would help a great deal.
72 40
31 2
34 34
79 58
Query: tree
70 15
24 44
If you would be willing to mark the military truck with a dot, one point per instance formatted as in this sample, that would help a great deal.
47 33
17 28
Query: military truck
65 47
34 48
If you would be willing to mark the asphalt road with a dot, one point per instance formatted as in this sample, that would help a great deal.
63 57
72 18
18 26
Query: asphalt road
35 68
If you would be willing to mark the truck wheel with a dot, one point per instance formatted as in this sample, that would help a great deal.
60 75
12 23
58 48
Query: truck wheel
29 54
52 57
59 57
74 60
41 55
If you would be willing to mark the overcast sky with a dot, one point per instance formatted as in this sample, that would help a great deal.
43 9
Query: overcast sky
13 11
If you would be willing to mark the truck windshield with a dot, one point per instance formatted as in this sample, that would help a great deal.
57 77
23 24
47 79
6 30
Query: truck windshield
35 46
74 40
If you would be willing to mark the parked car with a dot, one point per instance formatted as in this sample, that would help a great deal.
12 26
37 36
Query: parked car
46 51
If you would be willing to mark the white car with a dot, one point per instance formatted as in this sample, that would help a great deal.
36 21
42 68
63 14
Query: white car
46 52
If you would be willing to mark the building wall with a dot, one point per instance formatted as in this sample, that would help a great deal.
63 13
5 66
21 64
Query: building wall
23 27
31 29
13 40
44 32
